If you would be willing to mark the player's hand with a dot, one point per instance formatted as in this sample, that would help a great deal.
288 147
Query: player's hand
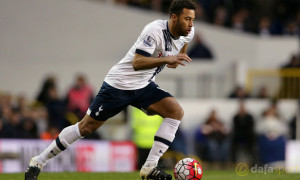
174 61
172 65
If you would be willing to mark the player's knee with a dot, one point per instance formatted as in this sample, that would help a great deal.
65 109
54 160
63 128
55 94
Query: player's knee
84 131
85 128
177 113
180 113
88 125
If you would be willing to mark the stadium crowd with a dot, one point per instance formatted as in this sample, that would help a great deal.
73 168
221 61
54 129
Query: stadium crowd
265 18
248 138
48 114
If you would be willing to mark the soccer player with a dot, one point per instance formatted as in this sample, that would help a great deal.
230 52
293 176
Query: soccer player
131 82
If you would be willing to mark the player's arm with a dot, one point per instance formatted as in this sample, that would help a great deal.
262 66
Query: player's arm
183 50
141 62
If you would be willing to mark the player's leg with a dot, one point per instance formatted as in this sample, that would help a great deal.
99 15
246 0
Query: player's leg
67 137
172 113
167 107
108 102
157 101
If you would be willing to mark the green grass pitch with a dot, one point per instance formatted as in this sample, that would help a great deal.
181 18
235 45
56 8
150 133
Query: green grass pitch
208 175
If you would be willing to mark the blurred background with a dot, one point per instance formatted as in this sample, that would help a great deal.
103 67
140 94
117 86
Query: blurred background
240 94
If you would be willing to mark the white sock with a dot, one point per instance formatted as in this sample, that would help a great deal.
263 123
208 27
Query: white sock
162 140
66 137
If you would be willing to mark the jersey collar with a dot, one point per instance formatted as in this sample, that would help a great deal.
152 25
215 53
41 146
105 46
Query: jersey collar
173 37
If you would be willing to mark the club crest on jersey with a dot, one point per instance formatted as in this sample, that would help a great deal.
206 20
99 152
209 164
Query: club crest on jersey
148 41
100 109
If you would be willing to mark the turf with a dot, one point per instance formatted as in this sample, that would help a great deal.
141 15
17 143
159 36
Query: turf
208 175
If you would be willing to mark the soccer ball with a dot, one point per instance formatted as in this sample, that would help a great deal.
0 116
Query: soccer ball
188 169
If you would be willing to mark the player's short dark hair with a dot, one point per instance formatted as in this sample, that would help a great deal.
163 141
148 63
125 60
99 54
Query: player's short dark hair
177 6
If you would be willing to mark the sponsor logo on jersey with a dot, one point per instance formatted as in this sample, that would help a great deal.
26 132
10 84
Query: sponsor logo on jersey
148 41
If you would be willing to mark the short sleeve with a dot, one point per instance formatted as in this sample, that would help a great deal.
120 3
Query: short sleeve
149 40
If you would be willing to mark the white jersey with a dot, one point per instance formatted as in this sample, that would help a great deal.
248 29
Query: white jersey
154 41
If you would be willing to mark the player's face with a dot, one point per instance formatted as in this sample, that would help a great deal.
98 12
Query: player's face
185 22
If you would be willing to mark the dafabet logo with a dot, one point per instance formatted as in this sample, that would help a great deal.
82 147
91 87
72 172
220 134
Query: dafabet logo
242 169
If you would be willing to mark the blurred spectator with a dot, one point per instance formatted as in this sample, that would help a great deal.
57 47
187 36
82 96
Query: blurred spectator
5 100
217 138
289 85
200 142
18 119
22 105
5 116
293 124
271 125
156 5
15 125
43 96
56 110
12 127
200 13
291 29
248 19
199 49
272 133
5 106
29 129
243 136
242 15
294 62
165 6
51 133
79 97
239 92
221 16
237 22
292 128
262 93
264 27
40 116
